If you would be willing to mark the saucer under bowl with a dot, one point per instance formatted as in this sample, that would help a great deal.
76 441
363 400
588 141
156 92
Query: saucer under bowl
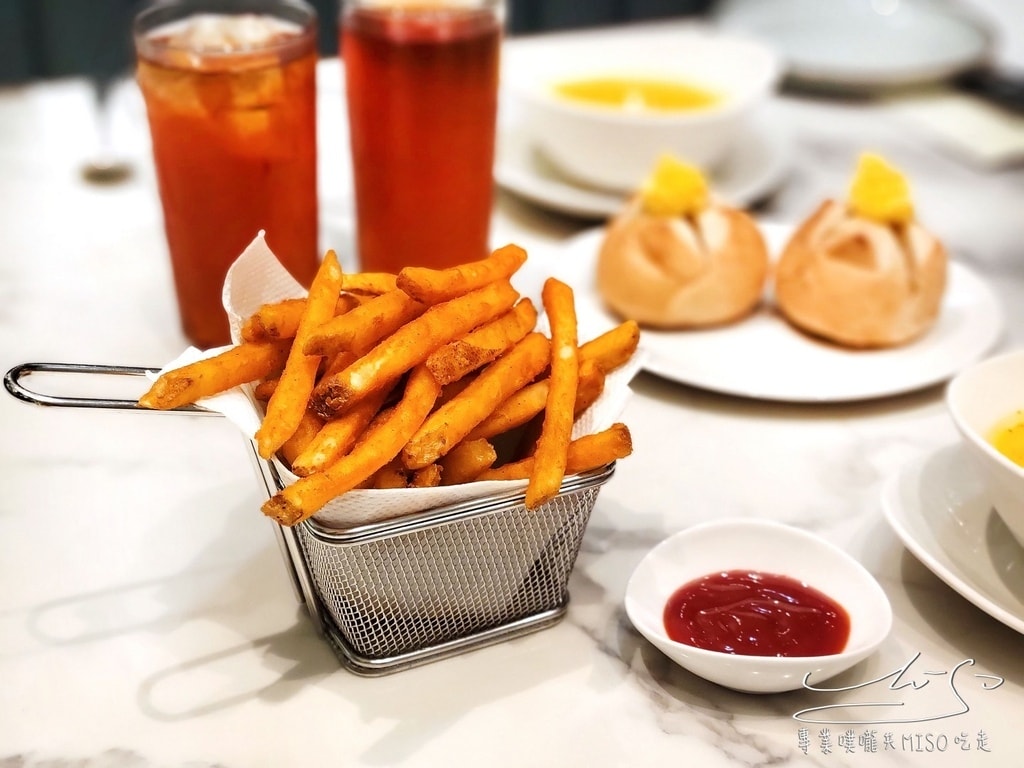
764 547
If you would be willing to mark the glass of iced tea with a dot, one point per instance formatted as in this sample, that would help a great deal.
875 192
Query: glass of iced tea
421 81
230 92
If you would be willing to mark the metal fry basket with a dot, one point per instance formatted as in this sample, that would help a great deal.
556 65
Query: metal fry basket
395 594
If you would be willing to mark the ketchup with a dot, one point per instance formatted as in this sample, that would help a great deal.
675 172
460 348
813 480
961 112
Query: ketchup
756 614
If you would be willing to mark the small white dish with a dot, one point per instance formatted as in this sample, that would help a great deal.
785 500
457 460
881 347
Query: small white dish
615 148
979 399
938 507
754 168
881 43
763 357
768 547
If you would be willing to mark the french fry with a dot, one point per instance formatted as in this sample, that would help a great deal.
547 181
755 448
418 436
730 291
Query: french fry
583 454
448 391
239 365
309 426
556 429
391 475
365 325
371 283
381 443
265 389
612 348
426 477
523 405
432 286
410 345
450 423
457 358
339 362
289 401
589 388
337 436
280 320
464 462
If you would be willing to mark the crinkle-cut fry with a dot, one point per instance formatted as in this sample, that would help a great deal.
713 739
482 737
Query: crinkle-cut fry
426 477
556 428
410 345
280 320
371 283
309 427
365 325
337 436
481 346
241 364
613 348
391 475
432 286
381 443
289 401
584 453
449 424
523 405
464 462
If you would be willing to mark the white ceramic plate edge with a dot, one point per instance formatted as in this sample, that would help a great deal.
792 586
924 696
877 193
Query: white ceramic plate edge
926 548
734 17
760 163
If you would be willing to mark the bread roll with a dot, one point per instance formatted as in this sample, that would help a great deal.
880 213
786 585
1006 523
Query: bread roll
858 282
682 271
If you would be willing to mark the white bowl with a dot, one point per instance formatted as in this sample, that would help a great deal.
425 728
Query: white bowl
768 547
978 399
617 149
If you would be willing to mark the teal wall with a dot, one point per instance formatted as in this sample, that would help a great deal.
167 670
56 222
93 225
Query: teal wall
57 38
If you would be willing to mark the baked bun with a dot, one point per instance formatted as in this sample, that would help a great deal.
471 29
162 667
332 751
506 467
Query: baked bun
705 269
859 280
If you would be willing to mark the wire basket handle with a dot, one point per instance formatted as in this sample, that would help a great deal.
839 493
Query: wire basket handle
13 384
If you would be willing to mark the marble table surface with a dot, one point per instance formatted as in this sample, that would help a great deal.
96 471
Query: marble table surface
146 617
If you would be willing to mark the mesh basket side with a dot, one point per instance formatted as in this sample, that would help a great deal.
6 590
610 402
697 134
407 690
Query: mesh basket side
392 595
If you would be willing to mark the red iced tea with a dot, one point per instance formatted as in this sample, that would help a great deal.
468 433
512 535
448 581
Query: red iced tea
422 84
234 142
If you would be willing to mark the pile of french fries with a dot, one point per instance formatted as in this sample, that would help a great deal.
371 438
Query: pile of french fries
411 380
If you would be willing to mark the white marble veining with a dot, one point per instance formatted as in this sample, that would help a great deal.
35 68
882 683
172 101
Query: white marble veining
145 615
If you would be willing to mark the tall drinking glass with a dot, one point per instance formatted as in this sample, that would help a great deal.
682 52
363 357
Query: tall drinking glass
422 93
230 92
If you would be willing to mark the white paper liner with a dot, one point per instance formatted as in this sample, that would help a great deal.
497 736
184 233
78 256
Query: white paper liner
257 278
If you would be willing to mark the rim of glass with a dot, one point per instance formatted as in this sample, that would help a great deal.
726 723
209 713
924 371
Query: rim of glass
496 7
159 12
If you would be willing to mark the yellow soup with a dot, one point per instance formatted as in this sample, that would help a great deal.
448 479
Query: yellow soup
638 94
1008 437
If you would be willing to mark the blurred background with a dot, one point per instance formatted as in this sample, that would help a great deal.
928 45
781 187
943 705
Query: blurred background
59 38
44 39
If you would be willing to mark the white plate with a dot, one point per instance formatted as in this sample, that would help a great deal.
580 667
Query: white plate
936 505
764 357
862 44
754 169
